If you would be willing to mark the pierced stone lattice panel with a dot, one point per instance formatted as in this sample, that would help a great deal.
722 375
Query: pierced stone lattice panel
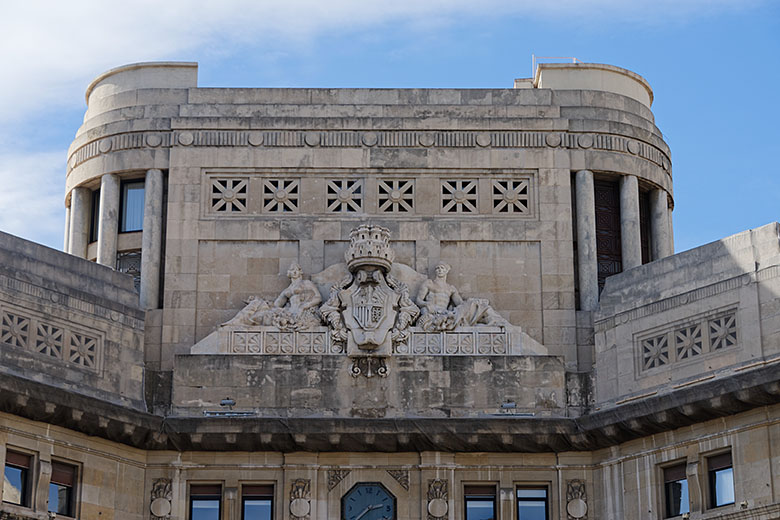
511 196
396 196
284 343
344 196
467 343
51 340
459 196
229 195
129 262
698 337
281 195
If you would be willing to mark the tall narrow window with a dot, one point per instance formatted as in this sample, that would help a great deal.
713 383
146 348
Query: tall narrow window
676 491
609 255
644 224
132 210
720 474
205 502
94 222
532 503
61 489
480 502
257 502
16 484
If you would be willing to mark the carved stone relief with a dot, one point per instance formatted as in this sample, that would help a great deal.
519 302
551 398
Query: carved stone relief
576 500
160 501
437 499
300 499
401 476
335 476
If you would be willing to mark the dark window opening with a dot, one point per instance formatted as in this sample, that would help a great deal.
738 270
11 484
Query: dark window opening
16 481
532 503
61 489
721 480
257 502
609 255
129 262
132 207
205 502
676 491
480 502
94 221
644 225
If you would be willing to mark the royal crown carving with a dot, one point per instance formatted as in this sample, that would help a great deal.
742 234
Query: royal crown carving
369 246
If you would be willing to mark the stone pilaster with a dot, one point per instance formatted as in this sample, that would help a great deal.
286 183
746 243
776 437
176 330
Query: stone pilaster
151 241
659 224
80 206
630 234
108 224
586 240
66 239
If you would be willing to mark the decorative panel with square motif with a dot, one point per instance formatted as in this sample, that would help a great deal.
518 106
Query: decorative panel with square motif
281 195
15 329
723 332
344 196
459 196
655 352
229 195
396 195
688 342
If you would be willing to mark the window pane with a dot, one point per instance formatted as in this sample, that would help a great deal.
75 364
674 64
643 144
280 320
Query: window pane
531 493
59 499
677 498
132 206
257 509
532 510
205 509
479 510
724 487
13 485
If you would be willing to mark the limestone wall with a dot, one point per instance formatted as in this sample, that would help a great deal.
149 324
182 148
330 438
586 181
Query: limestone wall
706 313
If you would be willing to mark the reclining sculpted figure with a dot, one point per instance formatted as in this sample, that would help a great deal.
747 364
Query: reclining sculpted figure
294 309
442 308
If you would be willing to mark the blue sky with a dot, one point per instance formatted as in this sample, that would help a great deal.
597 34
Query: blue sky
714 66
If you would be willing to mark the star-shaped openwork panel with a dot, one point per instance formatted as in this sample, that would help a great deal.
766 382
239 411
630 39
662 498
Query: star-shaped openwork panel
344 196
396 196
459 196
281 195
229 195
511 196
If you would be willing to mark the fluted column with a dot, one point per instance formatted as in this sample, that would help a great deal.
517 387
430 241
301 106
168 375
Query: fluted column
659 224
108 223
151 241
66 239
586 240
630 233
80 206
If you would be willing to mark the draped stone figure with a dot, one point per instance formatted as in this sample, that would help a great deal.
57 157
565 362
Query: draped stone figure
442 308
294 309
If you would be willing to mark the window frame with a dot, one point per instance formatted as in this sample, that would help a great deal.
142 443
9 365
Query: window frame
28 474
122 192
247 493
672 468
538 487
479 492
191 497
719 461
72 487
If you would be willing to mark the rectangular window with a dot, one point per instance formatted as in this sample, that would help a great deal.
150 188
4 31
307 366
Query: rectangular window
676 491
94 221
257 502
480 502
16 484
721 480
205 502
532 503
132 207
61 489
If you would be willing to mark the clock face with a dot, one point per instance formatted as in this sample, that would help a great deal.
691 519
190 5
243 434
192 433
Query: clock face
368 501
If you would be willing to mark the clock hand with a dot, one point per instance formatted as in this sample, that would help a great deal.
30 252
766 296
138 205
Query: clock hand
363 513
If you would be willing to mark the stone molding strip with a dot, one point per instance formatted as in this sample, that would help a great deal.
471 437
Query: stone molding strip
369 139
600 325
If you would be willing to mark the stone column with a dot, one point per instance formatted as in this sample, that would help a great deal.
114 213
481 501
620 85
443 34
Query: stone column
108 223
66 240
80 206
671 232
630 234
659 224
586 241
151 240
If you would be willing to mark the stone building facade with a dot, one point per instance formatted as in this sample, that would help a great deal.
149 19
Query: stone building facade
464 303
